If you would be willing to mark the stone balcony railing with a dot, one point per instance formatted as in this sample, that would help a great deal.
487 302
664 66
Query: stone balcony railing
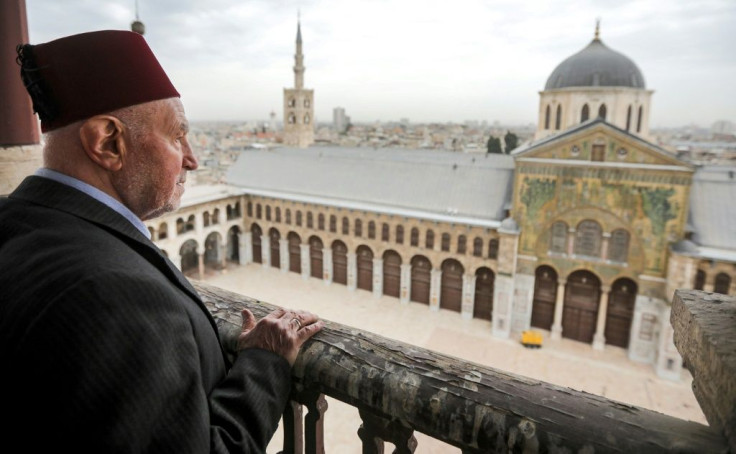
400 388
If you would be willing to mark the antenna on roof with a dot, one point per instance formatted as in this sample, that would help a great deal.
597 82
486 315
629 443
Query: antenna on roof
597 29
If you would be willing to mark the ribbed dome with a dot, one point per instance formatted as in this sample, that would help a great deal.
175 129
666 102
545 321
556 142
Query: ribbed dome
596 66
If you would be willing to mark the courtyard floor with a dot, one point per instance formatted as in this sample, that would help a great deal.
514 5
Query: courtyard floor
564 362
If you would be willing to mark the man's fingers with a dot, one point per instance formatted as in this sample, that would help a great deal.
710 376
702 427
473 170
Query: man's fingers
249 320
309 330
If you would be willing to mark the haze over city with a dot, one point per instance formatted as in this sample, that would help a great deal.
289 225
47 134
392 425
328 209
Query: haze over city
426 61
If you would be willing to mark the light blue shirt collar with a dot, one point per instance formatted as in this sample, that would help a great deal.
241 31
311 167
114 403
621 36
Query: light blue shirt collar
97 195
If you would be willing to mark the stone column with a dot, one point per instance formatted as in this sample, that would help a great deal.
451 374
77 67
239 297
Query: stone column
556 333
246 248
377 277
265 251
599 338
327 265
604 245
405 294
468 296
306 261
284 255
571 241
200 261
435 284
352 270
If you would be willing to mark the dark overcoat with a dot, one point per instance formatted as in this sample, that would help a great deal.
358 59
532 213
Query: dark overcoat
105 347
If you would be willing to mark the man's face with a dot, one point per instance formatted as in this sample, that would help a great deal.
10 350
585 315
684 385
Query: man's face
157 162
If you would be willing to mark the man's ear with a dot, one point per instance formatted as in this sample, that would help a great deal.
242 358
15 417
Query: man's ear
103 140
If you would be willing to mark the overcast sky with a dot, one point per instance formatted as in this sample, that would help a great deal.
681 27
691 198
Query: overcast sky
425 60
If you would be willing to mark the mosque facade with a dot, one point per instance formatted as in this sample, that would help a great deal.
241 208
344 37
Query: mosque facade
582 233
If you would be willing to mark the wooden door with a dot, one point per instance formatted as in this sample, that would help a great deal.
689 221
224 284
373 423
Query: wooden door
451 294
365 268
256 240
483 304
391 274
421 277
621 302
582 294
339 263
315 257
274 238
295 253
545 294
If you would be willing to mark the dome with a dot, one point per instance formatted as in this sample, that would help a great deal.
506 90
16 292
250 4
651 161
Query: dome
596 66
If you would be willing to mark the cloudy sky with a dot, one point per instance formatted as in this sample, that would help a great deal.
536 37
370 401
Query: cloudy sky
426 60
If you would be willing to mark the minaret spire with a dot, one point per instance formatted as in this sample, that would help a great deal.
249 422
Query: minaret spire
597 29
299 57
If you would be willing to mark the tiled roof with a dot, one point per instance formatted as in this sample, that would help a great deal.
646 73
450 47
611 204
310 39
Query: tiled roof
440 182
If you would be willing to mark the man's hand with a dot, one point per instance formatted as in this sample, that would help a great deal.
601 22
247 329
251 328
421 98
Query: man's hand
282 331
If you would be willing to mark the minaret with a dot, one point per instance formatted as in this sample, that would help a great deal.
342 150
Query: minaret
137 26
20 148
298 103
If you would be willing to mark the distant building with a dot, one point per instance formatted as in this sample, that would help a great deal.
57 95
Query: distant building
722 127
298 104
596 82
340 121
582 234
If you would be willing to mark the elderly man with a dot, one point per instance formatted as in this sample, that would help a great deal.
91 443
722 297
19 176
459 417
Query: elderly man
104 345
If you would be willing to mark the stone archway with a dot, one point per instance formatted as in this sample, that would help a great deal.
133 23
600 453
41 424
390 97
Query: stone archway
213 251
315 256
295 252
339 262
483 302
391 273
580 311
189 257
451 293
233 244
255 236
545 294
365 267
275 245
620 312
421 279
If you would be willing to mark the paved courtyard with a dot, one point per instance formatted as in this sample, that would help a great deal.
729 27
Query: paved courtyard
567 363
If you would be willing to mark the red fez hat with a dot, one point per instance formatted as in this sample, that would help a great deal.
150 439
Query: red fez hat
79 76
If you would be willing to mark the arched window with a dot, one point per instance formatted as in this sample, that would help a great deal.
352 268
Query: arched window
478 247
206 219
345 225
259 211
306 119
628 118
414 236
287 214
602 111
292 119
429 240
722 284
372 230
292 102
558 118
493 249
321 221
299 218
306 102
384 232
310 220
236 213
585 114
277 212
588 239
399 234
445 245
216 216
151 233
268 212
180 227
618 246
558 238
333 223
249 208
190 223
546 117
358 228
638 120
462 244
163 231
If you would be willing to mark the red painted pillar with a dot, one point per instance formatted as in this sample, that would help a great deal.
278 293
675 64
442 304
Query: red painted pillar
18 124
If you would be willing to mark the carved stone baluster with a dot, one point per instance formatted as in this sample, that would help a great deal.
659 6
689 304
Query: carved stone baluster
375 430
293 429
314 423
